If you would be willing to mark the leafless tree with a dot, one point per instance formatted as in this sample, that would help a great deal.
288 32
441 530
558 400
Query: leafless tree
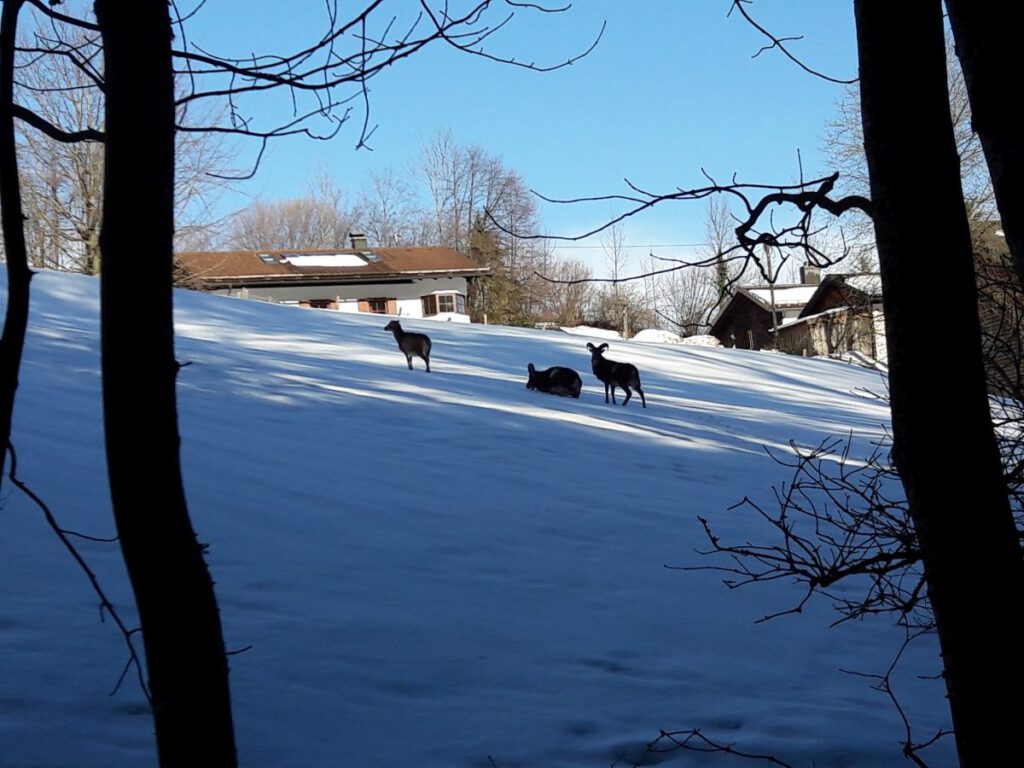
971 571
480 206
62 181
460 181
390 213
180 623
844 148
616 260
467 182
690 297
567 302
973 568
12 342
318 220
621 304
203 170
986 51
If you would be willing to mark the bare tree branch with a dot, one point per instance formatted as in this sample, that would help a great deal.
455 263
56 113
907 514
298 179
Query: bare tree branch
779 42
836 519
51 130
322 67
884 684
695 740
47 10
323 79
107 607
752 232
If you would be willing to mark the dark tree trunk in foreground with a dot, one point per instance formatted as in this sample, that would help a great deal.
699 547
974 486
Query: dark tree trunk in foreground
187 666
988 46
957 498
18 274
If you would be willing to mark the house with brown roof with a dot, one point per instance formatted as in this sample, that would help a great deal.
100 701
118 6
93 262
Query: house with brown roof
410 282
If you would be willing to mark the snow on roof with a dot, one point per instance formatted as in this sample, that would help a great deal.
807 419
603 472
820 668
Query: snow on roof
325 260
870 284
804 318
239 268
785 295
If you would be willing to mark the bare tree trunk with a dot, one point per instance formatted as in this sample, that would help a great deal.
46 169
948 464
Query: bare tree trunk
12 343
181 629
986 44
957 497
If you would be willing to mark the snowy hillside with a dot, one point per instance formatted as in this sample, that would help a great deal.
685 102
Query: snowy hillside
443 569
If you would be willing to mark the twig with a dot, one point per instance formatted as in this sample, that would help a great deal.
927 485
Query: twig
695 740
106 606
778 42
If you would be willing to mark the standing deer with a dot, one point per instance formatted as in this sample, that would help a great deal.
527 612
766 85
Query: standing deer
615 374
411 343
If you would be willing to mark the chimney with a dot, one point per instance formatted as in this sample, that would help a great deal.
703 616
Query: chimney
810 274
359 241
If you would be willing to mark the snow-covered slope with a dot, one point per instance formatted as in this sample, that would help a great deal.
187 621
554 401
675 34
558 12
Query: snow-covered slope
441 569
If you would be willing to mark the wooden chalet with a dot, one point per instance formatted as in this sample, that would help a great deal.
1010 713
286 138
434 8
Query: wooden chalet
844 315
749 319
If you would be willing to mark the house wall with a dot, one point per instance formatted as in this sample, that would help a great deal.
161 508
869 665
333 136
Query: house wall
843 331
841 319
404 299
748 326
798 339
835 332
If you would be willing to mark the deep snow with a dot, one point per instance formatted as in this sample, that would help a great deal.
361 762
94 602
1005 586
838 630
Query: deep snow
443 569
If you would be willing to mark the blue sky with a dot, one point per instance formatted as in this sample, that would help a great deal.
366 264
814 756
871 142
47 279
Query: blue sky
672 87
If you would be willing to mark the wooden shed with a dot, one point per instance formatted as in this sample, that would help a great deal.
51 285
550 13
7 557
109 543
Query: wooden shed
843 315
